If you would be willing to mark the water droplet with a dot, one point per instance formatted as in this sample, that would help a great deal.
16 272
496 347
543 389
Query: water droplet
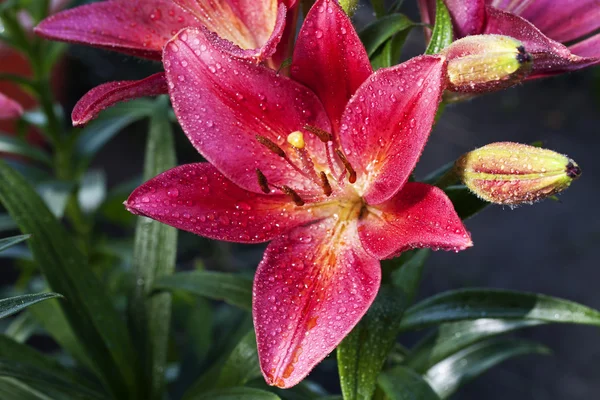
173 192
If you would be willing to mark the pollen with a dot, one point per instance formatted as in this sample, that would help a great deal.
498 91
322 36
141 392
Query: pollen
296 139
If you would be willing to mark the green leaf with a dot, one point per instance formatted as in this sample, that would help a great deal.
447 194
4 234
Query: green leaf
475 303
362 354
378 7
154 256
446 376
33 375
14 389
52 319
100 131
11 241
242 364
240 393
389 53
233 289
89 309
12 351
15 304
380 31
442 34
453 337
465 202
22 327
402 383
13 145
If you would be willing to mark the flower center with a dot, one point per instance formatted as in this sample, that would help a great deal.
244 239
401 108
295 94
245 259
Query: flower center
337 170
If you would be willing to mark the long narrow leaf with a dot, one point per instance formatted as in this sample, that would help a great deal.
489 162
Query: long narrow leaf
446 376
31 374
14 389
154 256
12 145
89 310
235 290
377 33
240 393
402 383
442 33
11 241
12 351
15 304
477 303
452 337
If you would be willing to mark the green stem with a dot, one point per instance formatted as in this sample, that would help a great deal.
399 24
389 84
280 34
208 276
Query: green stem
448 179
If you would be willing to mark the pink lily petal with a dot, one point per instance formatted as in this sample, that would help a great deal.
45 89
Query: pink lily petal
255 27
589 48
9 108
550 57
418 216
108 94
198 199
387 123
223 102
329 57
563 21
311 288
468 16
286 44
136 27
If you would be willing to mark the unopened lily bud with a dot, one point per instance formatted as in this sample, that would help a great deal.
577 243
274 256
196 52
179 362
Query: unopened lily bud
486 63
513 173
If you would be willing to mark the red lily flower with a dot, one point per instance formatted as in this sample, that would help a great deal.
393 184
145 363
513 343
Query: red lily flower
321 169
541 25
142 28
9 108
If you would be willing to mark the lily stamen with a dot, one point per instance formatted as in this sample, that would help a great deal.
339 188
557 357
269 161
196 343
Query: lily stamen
323 135
325 184
349 169
292 194
269 144
262 181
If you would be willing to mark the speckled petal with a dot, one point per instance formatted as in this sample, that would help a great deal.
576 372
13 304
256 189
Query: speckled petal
387 122
311 288
468 16
587 48
223 102
329 57
418 216
137 27
9 108
108 94
255 26
561 20
198 199
550 57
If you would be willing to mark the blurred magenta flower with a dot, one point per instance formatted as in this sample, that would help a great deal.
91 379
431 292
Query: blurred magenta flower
142 27
320 167
543 26
9 108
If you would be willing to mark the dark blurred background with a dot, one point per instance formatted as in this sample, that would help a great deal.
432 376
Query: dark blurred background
549 247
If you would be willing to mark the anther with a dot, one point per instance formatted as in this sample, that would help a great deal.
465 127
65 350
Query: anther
269 144
262 181
293 195
351 171
325 184
320 133
296 139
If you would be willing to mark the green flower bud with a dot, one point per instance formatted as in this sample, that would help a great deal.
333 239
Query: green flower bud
486 63
513 173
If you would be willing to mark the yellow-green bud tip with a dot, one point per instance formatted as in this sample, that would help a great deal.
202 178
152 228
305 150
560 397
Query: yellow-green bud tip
486 63
513 173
